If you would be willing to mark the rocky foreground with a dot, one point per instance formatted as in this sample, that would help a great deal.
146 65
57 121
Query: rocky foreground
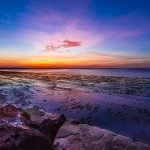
31 129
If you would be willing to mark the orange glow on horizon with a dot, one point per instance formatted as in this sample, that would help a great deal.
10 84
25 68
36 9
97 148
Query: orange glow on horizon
55 62
70 60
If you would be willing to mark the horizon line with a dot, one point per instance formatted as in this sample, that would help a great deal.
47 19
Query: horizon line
76 68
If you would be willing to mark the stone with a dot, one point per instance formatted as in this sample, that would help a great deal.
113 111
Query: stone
25 134
15 138
51 127
86 137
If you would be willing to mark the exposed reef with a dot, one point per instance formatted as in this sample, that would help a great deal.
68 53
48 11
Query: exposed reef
34 129
19 132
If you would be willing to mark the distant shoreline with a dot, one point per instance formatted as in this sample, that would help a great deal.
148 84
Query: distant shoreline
116 72
74 68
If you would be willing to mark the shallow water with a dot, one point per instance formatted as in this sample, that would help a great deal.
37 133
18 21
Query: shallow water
101 72
119 104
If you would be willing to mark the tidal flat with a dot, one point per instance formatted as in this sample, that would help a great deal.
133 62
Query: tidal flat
118 104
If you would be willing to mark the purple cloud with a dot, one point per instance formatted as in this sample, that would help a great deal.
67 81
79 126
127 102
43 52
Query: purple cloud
63 44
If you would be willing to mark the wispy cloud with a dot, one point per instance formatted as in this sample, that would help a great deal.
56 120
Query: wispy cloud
68 43
63 44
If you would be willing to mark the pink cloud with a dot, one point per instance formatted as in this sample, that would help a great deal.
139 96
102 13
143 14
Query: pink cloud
63 44
68 43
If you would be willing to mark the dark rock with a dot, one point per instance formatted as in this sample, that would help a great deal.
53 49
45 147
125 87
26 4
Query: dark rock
27 134
25 115
15 138
50 127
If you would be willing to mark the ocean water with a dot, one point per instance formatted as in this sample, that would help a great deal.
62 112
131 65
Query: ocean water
142 72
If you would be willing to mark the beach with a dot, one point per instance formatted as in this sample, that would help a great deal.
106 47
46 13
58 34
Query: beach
118 104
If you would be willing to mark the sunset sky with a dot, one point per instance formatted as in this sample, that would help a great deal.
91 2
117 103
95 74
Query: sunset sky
74 33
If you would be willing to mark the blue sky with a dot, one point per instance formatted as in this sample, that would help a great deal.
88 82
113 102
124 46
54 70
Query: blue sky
64 33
